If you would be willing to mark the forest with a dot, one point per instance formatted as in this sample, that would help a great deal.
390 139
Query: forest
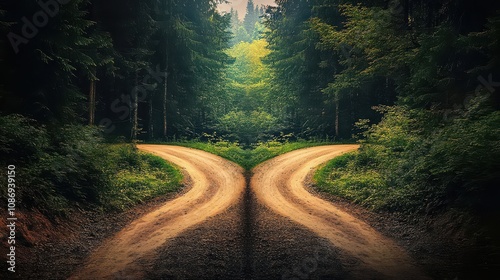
414 82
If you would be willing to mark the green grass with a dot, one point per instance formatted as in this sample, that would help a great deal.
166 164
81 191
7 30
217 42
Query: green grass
139 176
340 177
354 177
249 158
409 164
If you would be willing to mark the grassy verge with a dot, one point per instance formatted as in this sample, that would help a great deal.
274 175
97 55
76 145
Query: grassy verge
59 168
249 158
410 164
139 176
342 177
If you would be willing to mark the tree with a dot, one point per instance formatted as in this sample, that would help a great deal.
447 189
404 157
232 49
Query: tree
297 74
64 48
250 17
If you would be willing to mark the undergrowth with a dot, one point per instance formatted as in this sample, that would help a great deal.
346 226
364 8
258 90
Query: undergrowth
59 168
415 162
248 158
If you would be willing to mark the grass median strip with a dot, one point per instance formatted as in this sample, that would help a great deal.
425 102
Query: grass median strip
248 158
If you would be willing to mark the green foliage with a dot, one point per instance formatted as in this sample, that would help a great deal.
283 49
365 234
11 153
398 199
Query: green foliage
341 177
407 164
247 127
21 140
244 115
248 158
251 22
241 36
300 71
83 52
58 168
438 148
138 177
62 53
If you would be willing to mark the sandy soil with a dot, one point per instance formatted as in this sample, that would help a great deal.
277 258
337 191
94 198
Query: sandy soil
279 184
217 184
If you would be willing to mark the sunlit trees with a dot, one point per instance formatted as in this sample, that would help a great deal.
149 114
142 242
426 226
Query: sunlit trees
247 109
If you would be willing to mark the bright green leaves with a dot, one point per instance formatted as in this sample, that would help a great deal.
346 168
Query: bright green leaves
248 68
366 46
247 93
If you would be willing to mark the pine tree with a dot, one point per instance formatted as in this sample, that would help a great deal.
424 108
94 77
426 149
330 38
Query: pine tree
61 49
298 78
250 17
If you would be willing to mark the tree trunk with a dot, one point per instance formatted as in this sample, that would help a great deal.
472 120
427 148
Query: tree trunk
165 95
165 82
135 106
151 120
165 98
337 106
92 98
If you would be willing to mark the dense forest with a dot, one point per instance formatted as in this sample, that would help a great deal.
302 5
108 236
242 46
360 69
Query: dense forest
76 74
164 70
138 69
426 67
415 82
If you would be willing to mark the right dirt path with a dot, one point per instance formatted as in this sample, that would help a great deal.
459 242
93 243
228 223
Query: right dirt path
355 249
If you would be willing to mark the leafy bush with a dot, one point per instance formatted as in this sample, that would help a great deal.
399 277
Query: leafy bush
248 158
139 177
59 167
21 140
247 127
414 161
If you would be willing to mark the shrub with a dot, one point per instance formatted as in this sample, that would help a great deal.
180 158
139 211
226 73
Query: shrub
61 167
413 161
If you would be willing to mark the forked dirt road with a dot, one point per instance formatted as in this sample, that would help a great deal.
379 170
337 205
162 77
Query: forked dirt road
279 184
216 185
223 229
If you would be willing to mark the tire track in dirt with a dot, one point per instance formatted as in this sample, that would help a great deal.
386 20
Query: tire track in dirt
216 185
279 184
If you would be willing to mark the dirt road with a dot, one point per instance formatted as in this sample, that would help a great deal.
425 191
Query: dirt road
272 229
216 185
279 184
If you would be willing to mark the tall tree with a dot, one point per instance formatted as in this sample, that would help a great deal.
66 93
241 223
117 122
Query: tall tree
52 49
250 17
297 74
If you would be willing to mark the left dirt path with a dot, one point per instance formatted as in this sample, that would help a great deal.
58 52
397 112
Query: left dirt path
217 184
